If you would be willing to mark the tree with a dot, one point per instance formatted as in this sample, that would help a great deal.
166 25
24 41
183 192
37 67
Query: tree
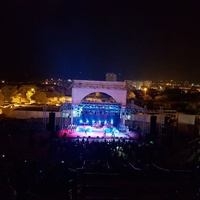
1 98
53 94
173 94
40 97
147 97
131 95
29 94
24 88
9 91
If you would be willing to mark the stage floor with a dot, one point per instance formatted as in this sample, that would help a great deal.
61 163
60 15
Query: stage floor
88 131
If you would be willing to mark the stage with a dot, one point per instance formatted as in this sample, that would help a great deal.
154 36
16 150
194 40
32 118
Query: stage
85 131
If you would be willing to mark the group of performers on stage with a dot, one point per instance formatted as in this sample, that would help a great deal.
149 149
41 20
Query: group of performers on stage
71 128
84 127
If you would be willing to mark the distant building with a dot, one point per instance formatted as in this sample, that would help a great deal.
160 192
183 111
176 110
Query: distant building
111 77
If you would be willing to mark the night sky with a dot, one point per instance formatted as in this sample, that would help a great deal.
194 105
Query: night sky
137 40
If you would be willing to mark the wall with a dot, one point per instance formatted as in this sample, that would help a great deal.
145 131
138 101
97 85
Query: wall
82 88
23 114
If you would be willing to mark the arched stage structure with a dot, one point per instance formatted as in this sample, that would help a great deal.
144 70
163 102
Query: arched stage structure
106 116
83 111
82 88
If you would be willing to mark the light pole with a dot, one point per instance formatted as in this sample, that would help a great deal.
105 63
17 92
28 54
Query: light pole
145 91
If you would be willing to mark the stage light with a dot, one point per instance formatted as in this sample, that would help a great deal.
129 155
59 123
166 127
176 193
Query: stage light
151 142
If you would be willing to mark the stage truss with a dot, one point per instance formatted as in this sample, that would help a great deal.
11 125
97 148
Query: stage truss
71 113
99 110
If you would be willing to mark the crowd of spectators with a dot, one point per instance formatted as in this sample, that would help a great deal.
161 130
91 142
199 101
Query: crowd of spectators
114 152
49 163
51 166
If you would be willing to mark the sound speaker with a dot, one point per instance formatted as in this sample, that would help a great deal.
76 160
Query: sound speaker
52 122
153 132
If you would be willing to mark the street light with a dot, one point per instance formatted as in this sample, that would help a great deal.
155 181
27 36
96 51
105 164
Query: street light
145 91
33 90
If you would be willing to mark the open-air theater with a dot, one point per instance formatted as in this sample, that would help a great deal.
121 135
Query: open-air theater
98 110
97 154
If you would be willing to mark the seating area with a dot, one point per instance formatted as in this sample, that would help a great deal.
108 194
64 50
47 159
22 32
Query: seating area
45 167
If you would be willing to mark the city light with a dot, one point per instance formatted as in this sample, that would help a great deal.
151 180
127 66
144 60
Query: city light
145 91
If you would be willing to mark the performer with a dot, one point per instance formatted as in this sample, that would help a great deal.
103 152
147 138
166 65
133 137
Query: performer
104 134
113 133
127 129
64 135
